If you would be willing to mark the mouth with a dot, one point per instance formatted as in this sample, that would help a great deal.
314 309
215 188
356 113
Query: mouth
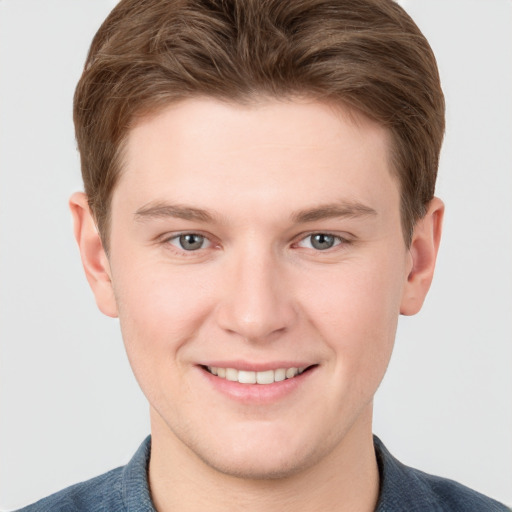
257 377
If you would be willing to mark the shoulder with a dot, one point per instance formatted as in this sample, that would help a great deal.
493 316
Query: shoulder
91 495
123 488
404 489
449 495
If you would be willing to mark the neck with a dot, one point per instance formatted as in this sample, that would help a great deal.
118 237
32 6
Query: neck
346 479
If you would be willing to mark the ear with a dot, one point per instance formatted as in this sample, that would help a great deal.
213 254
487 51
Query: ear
423 254
94 257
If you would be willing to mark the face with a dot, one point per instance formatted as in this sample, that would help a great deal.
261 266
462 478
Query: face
258 268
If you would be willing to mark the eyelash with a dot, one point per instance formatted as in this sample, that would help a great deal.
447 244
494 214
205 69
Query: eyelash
182 250
338 241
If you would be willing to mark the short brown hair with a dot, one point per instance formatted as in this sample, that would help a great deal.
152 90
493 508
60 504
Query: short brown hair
366 54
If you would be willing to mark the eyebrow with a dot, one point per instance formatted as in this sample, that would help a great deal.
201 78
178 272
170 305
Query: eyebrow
343 209
163 210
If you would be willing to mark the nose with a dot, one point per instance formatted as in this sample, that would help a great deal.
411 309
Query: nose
257 298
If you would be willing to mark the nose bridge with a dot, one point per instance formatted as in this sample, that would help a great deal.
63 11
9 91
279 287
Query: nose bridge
256 300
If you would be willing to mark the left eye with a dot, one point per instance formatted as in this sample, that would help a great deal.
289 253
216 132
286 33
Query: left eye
190 241
320 241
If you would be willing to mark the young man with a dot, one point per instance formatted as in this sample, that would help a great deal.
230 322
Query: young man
258 210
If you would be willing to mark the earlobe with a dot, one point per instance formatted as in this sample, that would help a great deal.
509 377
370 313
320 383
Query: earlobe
423 254
94 258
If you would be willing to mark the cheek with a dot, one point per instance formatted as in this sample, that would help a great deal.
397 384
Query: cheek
356 312
160 309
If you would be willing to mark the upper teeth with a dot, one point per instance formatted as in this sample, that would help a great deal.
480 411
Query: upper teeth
249 377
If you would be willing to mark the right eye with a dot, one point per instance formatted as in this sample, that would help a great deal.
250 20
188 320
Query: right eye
189 241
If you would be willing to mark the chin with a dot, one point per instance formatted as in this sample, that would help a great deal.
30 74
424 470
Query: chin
258 467
262 457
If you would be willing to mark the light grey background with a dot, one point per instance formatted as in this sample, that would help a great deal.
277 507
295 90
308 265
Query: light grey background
70 408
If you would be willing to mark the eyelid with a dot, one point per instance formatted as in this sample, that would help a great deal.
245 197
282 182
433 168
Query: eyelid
168 237
341 240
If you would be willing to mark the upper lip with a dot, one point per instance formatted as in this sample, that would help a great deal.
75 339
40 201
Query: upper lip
256 367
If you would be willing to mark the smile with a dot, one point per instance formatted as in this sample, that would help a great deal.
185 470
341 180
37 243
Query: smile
250 377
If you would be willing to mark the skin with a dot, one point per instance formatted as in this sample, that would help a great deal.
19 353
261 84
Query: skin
258 292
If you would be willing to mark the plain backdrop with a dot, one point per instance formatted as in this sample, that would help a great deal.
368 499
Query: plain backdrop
69 405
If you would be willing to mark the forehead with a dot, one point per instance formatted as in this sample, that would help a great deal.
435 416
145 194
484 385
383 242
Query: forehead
271 152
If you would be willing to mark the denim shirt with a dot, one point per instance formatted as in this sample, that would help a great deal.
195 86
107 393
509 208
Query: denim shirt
402 489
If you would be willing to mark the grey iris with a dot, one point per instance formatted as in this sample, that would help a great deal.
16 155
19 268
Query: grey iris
191 241
322 241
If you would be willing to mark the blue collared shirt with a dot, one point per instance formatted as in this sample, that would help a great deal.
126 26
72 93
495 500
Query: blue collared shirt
402 489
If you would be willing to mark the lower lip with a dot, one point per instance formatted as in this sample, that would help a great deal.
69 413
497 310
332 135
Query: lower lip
256 393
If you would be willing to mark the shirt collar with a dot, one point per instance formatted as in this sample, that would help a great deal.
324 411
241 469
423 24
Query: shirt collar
400 487
136 495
